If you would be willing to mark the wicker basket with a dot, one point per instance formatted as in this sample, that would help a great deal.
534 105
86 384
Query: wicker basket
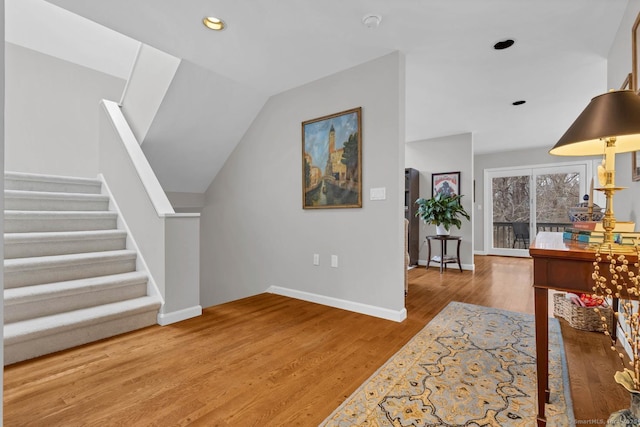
583 318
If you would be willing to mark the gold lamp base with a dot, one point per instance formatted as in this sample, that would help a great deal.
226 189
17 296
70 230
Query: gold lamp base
609 245
609 220
613 248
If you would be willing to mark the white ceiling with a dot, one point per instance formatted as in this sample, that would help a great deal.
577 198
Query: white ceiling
455 83
49 29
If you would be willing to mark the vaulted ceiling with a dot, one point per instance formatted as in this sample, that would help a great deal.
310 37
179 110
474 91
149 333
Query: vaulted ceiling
455 82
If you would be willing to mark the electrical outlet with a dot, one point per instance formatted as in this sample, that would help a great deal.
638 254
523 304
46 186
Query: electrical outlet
334 261
316 259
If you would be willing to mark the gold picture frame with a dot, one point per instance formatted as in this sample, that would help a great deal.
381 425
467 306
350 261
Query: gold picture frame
635 155
635 55
633 85
332 161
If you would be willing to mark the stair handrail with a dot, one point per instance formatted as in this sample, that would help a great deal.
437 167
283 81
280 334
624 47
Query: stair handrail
145 172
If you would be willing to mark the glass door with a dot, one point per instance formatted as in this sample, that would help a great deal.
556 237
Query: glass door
510 216
528 200
557 190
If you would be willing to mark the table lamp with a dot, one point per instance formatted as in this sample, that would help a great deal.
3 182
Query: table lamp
610 124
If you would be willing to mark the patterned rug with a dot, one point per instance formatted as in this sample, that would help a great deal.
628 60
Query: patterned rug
470 366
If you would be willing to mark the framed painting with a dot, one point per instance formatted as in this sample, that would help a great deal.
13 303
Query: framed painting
447 183
332 161
635 55
635 155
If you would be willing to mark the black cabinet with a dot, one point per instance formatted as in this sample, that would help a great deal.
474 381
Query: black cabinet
411 190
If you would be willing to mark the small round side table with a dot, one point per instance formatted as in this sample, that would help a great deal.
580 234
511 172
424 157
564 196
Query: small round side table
444 259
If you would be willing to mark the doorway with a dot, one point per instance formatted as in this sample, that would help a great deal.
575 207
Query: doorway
524 201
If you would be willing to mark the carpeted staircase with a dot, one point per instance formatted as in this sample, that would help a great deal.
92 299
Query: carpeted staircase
69 278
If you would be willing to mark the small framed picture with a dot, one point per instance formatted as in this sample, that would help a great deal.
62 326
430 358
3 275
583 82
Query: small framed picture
447 183
635 166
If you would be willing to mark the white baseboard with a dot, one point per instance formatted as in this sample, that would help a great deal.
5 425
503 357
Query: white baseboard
180 315
470 267
482 252
370 310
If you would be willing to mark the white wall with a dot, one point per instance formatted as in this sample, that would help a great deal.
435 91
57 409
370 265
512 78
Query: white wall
448 154
2 145
52 113
150 79
182 266
186 202
202 117
619 59
626 202
255 233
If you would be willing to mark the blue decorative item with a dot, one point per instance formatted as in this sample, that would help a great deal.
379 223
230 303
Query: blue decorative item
580 212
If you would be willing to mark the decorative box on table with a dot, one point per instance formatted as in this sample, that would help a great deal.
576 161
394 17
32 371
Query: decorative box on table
583 318
583 212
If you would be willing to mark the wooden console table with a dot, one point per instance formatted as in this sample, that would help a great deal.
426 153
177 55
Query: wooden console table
558 265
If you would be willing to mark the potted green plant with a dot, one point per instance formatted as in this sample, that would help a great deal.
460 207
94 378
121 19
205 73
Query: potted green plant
443 211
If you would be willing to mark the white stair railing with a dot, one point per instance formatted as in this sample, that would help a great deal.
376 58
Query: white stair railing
168 242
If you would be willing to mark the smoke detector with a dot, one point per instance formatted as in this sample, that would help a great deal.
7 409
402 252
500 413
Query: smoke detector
372 21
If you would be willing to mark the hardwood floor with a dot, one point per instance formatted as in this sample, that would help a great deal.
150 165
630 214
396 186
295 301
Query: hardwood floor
274 361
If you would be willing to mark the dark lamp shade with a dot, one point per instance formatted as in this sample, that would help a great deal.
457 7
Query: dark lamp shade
612 114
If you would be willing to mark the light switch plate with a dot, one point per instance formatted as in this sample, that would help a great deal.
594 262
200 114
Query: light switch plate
378 193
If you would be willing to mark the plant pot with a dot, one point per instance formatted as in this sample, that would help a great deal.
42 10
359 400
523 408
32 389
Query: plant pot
441 230
627 417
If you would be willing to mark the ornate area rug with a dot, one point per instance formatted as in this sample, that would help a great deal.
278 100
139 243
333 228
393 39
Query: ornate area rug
470 366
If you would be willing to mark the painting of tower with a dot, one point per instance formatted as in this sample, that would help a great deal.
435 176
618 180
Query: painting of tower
335 167
331 161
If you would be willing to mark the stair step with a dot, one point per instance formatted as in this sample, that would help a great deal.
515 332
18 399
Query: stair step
53 183
24 245
35 221
58 268
31 338
47 201
68 277
34 301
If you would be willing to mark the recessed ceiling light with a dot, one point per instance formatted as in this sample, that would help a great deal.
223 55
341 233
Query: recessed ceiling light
518 102
503 44
213 23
